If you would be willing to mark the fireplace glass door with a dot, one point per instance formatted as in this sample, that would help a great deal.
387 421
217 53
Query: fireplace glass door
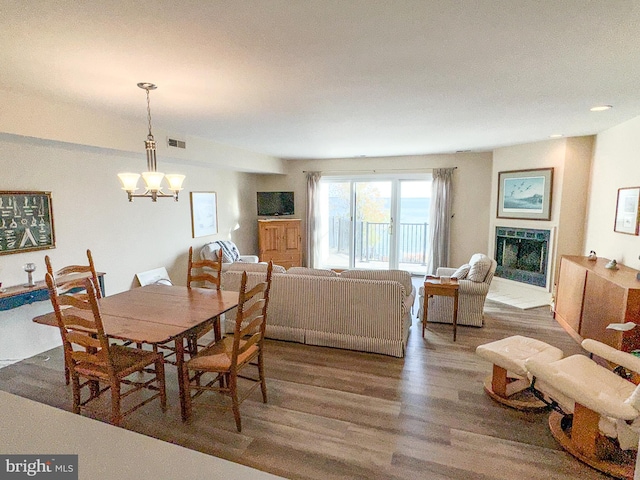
522 255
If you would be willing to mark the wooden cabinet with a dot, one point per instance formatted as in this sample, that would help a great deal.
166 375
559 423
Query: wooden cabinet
589 297
568 305
280 242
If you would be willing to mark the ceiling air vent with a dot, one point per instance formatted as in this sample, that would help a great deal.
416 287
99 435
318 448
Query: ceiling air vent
172 142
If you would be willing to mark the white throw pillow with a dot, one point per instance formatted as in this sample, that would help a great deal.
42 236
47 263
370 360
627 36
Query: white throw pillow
479 267
462 272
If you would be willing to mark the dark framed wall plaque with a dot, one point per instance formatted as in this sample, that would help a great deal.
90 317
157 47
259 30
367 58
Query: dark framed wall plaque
26 222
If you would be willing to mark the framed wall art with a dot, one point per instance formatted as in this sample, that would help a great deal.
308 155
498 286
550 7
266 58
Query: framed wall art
525 194
627 211
26 222
204 214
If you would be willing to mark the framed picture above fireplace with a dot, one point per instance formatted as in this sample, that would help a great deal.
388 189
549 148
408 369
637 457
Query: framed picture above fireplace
525 194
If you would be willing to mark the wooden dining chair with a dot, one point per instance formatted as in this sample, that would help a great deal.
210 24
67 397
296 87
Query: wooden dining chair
73 275
223 361
70 281
204 271
208 274
92 360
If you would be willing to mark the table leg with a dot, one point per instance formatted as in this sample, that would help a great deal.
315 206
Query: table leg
425 307
183 380
217 328
455 313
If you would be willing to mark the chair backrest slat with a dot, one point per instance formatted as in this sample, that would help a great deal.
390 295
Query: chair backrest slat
72 269
256 335
253 310
251 327
73 277
209 270
83 339
256 290
66 286
72 321
251 317
78 299
81 326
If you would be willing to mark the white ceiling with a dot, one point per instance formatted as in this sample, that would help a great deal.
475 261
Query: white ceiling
335 78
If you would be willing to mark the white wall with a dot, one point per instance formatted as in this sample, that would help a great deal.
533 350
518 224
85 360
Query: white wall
616 164
574 195
76 152
471 184
45 119
91 211
570 158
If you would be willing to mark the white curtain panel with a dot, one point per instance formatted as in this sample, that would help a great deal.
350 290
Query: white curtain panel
313 218
440 219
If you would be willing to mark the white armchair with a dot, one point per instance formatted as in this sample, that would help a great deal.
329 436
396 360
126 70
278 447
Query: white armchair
595 403
230 253
474 279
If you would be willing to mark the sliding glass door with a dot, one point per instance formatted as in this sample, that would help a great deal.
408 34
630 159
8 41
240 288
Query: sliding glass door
414 204
372 224
375 223
335 206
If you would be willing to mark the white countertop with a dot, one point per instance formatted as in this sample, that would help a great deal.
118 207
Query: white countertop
104 451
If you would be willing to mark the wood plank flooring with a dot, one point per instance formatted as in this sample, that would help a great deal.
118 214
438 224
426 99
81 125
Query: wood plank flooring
336 414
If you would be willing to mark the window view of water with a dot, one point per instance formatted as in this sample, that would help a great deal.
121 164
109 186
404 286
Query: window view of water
412 210
370 237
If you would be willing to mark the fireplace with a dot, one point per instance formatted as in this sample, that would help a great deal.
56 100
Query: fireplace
522 255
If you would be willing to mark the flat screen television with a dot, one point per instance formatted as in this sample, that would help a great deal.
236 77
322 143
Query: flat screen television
274 204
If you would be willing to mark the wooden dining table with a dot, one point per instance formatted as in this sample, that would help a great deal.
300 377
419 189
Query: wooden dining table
158 314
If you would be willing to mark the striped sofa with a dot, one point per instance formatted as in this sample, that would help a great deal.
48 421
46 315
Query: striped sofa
368 311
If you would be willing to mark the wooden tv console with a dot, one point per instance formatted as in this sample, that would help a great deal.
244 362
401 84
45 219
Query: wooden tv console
279 240
589 297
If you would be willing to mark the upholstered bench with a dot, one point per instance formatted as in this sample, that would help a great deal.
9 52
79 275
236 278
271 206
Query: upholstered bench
510 375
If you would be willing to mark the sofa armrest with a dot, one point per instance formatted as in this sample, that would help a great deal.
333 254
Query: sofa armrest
407 303
467 287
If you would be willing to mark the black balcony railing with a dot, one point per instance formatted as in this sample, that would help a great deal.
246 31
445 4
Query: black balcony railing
372 240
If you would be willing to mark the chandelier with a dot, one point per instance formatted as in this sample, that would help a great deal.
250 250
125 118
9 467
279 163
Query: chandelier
152 178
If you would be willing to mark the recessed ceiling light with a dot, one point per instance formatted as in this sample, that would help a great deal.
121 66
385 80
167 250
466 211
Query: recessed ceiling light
600 108
556 135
